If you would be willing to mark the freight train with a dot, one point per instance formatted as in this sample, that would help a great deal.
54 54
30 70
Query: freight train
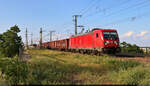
96 41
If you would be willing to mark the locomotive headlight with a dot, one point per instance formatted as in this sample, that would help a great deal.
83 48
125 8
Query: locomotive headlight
106 42
116 42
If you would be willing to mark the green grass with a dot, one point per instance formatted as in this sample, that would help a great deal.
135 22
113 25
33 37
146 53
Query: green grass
134 76
55 67
76 68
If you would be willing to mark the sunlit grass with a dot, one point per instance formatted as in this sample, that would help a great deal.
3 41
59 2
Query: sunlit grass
75 68
56 67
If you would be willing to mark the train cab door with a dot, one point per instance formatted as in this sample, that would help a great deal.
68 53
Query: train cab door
97 39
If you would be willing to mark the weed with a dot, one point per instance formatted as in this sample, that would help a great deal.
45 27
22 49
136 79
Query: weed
124 65
134 76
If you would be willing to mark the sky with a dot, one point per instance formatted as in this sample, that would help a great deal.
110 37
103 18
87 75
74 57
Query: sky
129 17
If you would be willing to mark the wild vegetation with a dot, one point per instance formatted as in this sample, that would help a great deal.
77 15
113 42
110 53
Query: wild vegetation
10 43
55 67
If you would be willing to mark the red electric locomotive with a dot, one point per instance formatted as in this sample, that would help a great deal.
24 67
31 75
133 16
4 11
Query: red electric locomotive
97 40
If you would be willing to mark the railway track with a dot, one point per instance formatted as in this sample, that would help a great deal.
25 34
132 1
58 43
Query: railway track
145 60
131 55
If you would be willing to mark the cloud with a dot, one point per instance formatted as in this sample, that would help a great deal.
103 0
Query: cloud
135 36
127 35
145 38
142 38
142 33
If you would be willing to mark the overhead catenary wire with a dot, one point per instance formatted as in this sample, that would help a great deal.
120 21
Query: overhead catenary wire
126 19
104 10
128 8
142 6
132 18
86 7
108 8
139 5
90 7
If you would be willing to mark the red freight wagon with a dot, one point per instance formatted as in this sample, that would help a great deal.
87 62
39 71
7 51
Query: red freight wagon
38 46
52 45
45 45
97 39
59 44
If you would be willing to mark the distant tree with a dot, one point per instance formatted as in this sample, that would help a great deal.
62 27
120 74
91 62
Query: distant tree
10 42
123 44
127 47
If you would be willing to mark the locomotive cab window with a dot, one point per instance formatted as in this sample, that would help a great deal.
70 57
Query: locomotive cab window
110 35
96 35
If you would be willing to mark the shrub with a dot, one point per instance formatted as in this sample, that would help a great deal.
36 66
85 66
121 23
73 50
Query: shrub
15 72
46 74
117 65
130 48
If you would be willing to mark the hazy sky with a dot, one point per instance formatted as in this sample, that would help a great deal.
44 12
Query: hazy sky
130 17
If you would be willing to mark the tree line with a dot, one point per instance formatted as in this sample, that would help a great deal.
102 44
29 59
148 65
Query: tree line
130 48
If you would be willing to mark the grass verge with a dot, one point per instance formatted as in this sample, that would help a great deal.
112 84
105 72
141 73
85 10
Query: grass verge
54 67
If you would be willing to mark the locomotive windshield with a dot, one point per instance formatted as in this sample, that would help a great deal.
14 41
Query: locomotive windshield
110 35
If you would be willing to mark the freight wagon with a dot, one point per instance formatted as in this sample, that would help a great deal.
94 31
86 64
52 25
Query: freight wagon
59 44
